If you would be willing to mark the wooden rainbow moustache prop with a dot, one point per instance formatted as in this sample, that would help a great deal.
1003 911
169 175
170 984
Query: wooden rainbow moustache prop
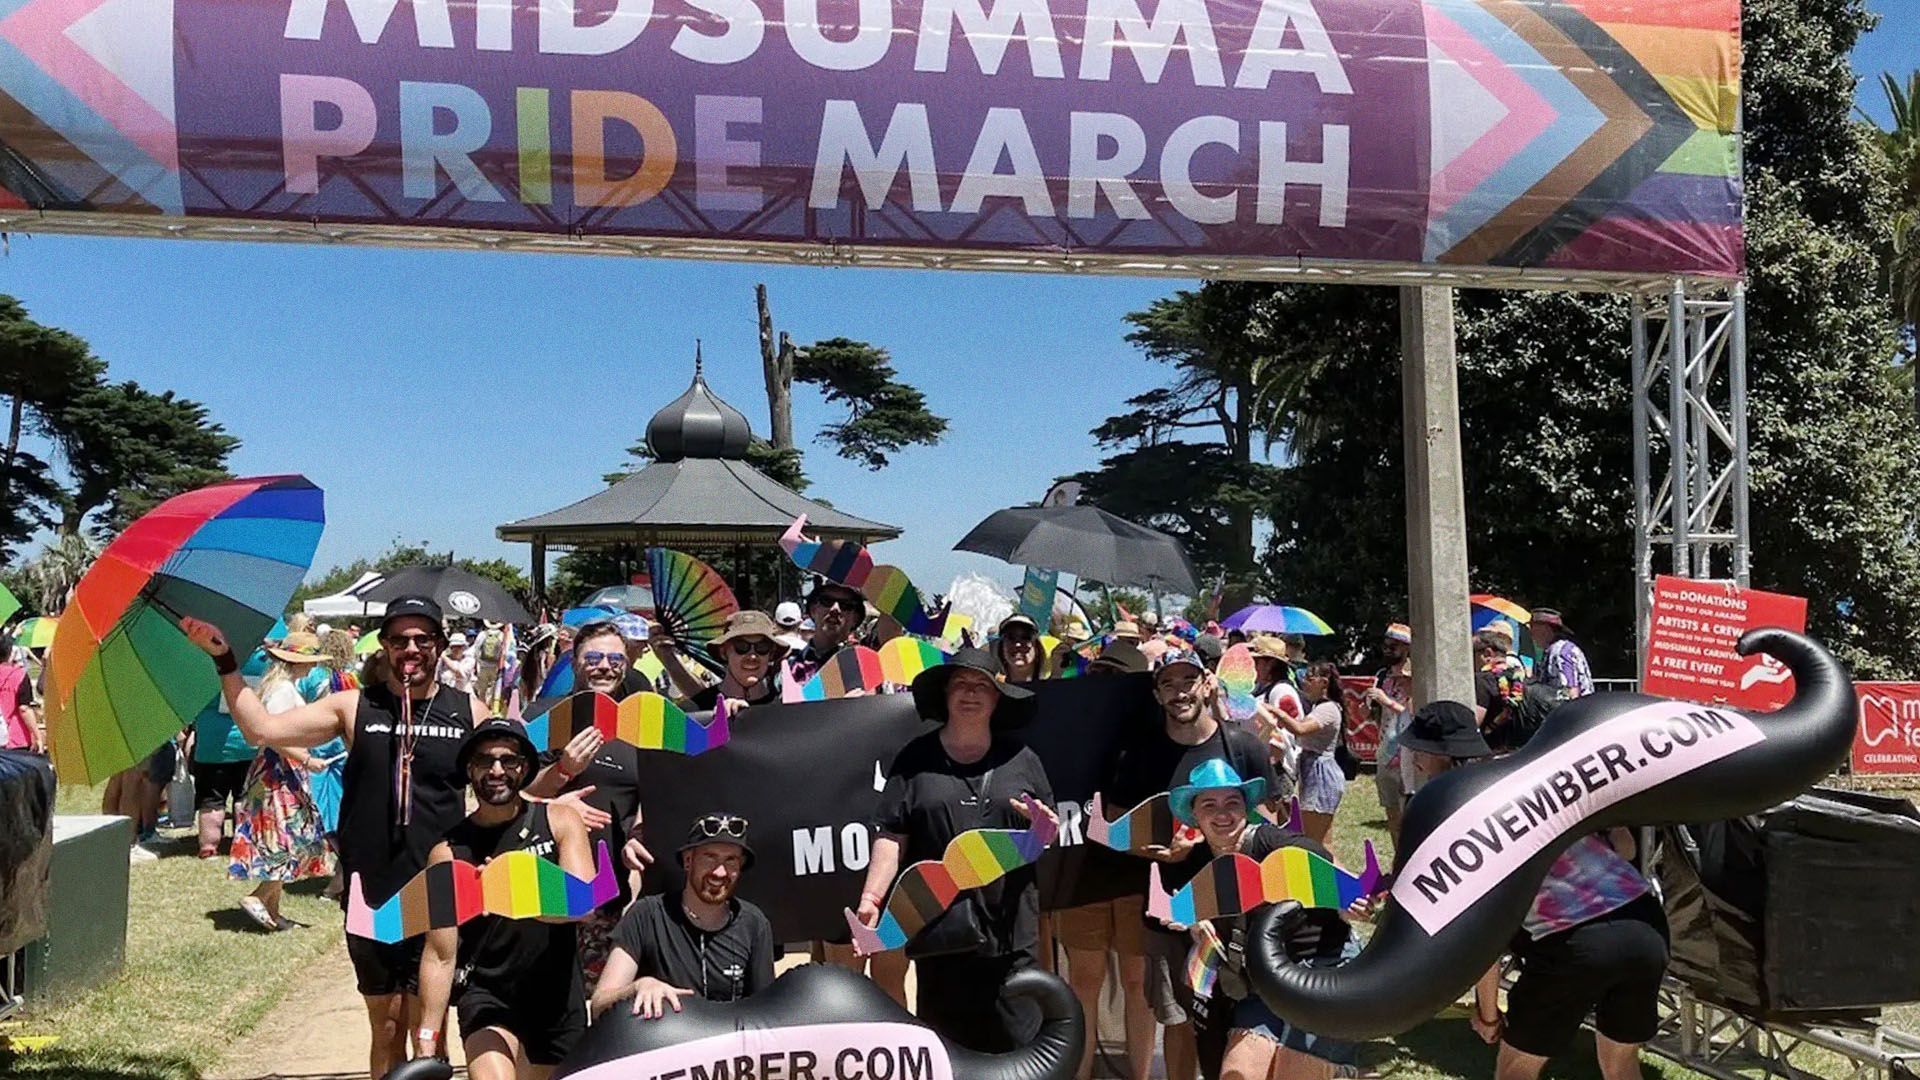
644 721
1235 884
849 564
516 885
974 858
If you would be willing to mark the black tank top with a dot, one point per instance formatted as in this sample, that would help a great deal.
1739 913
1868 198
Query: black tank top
374 840
515 960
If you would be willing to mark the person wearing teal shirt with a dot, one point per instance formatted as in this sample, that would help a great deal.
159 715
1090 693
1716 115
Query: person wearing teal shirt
221 756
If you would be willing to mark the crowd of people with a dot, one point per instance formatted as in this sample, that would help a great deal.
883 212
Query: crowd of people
321 766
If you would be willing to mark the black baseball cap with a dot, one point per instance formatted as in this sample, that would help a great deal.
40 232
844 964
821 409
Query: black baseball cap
498 727
407 606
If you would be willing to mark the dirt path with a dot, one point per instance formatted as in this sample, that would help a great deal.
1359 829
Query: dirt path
317 1033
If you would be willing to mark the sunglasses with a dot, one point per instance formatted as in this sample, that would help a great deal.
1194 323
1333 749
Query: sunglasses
754 648
716 826
842 603
1019 634
422 642
484 763
603 659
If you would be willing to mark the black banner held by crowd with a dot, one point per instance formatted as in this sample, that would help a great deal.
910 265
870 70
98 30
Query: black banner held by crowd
807 776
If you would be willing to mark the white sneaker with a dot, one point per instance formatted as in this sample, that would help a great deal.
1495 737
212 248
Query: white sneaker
138 854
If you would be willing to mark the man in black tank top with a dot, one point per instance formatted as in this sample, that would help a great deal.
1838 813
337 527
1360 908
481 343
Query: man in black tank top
402 790
515 983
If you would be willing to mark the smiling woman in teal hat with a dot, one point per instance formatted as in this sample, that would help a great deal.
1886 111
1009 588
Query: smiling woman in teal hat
1258 1044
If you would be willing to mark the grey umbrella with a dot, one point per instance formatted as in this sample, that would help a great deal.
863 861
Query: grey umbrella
461 594
1087 542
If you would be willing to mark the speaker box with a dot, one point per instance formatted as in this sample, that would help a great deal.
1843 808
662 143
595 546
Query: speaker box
86 941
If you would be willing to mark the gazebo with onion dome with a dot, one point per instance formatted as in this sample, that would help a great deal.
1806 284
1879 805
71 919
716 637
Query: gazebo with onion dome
699 491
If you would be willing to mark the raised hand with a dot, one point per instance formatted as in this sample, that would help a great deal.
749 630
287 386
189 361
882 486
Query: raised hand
205 636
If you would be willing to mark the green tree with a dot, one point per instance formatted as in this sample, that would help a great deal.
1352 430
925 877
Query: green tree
127 449
1545 402
42 370
1901 144
884 415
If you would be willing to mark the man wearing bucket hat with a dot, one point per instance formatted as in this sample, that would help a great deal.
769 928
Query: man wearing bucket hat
1189 734
1239 1031
1563 664
973 772
752 647
837 611
703 941
402 789
518 995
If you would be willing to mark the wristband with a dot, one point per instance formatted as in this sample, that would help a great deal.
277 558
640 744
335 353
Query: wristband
225 664
427 1037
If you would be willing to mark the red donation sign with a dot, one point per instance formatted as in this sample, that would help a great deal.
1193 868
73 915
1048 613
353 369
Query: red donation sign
1362 734
1695 625
1887 739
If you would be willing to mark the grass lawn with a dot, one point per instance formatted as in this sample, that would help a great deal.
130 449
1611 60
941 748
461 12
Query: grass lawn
199 973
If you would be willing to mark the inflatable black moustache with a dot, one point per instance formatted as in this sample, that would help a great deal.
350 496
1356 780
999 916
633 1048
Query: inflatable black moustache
1477 842
840 1027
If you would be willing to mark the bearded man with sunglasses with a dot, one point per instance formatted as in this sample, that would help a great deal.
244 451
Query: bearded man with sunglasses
837 612
608 776
703 941
513 982
403 787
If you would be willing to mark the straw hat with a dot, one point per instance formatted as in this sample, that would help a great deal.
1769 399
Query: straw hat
299 647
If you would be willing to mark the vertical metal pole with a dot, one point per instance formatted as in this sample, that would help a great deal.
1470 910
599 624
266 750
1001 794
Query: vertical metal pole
1642 491
1677 418
1699 379
1737 382
1436 498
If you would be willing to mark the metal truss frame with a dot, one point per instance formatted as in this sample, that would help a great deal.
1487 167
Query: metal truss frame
1690 431
922 254
1711 1038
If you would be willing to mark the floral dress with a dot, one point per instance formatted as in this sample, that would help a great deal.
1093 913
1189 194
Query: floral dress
276 833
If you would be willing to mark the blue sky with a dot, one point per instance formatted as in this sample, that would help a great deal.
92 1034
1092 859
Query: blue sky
436 394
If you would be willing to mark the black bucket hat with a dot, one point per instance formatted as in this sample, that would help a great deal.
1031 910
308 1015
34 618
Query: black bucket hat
930 689
411 606
1446 728
719 827
498 727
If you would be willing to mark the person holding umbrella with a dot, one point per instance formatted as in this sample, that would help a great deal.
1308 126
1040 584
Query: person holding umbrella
973 772
403 788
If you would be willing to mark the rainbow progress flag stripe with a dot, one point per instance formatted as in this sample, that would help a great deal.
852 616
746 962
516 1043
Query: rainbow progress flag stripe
1235 884
1148 825
925 889
849 564
644 721
516 885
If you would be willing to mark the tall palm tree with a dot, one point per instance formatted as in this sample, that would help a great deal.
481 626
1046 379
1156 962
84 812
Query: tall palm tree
58 569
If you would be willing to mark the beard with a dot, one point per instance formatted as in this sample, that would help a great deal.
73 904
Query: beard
495 792
715 892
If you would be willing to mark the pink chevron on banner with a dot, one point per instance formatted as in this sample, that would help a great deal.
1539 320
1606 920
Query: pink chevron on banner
115 56
1464 66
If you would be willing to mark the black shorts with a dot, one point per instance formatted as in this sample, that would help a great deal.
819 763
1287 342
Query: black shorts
161 762
1610 966
216 783
546 1035
380 969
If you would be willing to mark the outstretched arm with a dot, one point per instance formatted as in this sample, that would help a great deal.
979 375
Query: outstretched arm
436 975
304 727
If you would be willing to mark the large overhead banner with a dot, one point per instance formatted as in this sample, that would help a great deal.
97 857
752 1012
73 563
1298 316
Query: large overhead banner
1571 137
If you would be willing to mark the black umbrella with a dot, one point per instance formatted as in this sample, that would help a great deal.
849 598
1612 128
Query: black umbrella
461 594
1087 542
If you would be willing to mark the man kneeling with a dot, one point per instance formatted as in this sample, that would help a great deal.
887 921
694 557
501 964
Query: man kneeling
518 990
702 941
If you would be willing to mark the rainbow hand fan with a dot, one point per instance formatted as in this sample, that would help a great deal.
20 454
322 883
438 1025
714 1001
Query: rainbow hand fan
1236 675
849 564
689 598
1235 884
644 721
516 885
926 889
855 667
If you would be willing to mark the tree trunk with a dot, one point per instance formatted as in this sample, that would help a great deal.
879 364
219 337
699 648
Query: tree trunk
19 411
1240 569
776 364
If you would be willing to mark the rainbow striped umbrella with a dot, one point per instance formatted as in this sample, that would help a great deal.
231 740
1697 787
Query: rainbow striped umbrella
1277 619
121 676
1488 608
37 632
9 604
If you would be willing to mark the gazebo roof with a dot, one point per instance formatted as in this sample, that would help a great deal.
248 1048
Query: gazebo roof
698 490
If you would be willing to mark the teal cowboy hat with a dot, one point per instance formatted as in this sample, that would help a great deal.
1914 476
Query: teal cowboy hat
1212 775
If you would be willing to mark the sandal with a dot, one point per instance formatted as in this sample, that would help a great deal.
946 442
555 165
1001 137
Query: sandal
257 911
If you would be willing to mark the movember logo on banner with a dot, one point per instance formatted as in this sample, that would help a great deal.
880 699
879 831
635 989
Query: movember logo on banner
808 776
810 1052
1497 831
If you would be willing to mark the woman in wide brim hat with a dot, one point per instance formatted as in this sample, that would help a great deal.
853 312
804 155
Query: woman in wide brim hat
1015 706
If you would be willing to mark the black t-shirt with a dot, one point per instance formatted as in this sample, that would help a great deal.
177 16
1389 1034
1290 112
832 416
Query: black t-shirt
707 699
376 841
614 776
1313 932
930 799
515 961
1154 763
727 964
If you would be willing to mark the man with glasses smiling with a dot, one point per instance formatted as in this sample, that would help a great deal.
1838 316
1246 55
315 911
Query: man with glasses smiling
703 941
402 789
837 612
513 982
